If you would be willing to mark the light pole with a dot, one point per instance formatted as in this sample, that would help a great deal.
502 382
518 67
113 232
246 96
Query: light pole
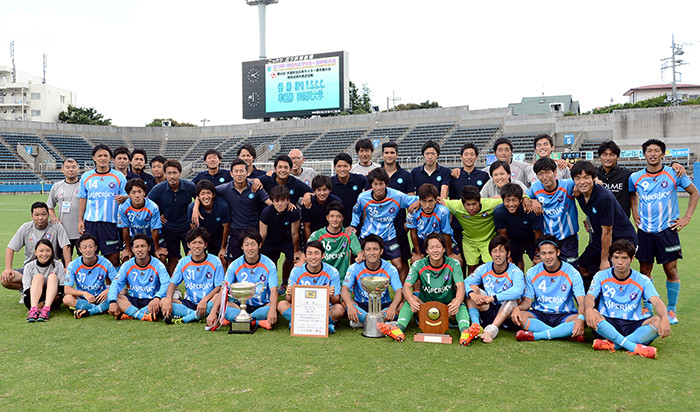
673 62
262 4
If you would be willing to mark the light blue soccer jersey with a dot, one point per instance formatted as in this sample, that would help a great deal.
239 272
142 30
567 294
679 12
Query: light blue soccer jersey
425 224
357 271
622 299
508 285
140 220
327 276
100 190
144 282
553 292
560 212
379 215
263 273
658 197
91 279
200 277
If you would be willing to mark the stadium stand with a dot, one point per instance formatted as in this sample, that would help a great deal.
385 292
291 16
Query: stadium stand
523 142
332 143
6 156
52 176
410 145
19 138
112 142
17 176
255 140
176 148
152 147
591 145
71 146
198 149
478 135
297 140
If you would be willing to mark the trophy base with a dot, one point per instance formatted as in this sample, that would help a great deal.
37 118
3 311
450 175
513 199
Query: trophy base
243 327
432 338
370 329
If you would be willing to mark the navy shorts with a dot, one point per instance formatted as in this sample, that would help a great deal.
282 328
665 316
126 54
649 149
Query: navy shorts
489 315
402 237
665 246
568 250
233 249
392 250
518 249
273 251
138 303
173 239
107 234
551 319
54 305
189 304
624 326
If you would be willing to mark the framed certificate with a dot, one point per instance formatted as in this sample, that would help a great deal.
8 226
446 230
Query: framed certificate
310 311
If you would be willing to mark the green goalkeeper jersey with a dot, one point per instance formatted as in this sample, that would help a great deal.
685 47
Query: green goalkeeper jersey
478 228
337 248
436 283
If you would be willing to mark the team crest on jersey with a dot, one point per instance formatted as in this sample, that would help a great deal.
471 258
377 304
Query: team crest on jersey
524 222
664 184
100 277
221 179
392 210
344 245
594 210
151 278
48 236
447 276
560 199
354 187
399 180
485 214
513 173
112 185
633 296
218 219
263 278
439 178
291 192
286 223
250 196
208 275
563 287
479 183
435 225
147 218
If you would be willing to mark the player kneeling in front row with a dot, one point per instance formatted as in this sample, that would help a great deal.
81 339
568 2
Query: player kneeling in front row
317 273
503 283
373 265
255 268
148 281
619 318
441 280
86 280
547 310
203 275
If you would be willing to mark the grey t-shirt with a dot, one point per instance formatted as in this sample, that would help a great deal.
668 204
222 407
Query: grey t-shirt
307 174
66 192
363 170
32 268
28 235
491 190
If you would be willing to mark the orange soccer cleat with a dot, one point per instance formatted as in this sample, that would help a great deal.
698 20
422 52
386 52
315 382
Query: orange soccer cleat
391 331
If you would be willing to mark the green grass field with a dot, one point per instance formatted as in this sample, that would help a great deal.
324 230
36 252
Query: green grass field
98 363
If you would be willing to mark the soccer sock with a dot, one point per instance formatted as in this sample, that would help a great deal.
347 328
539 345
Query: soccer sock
141 312
132 311
361 314
288 314
82 304
405 316
474 316
97 309
462 318
608 331
644 335
181 310
562 331
672 291
260 313
231 313
535 325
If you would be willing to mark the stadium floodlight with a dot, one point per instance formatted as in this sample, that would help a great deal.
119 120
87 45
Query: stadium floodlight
262 4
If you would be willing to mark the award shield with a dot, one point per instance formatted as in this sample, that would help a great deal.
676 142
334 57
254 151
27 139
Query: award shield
242 292
433 320
374 286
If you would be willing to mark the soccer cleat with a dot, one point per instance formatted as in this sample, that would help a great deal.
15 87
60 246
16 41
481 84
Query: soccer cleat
265 324
331 328
80 313
44 314
173 320
33 314
672 318
603 344
524 335
579 338
214 326
391 331
123 316
644 351
149 317
225 322
470 333
355 325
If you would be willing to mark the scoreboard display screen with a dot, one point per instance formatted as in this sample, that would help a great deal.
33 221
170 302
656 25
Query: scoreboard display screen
312 84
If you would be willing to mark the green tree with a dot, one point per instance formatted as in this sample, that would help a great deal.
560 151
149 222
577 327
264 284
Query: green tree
659 101
360 103
83 115
173 123
416 106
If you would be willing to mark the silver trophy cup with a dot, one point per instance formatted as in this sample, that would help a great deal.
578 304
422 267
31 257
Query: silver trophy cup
374 286
242 292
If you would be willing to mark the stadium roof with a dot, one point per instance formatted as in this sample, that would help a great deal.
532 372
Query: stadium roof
657 87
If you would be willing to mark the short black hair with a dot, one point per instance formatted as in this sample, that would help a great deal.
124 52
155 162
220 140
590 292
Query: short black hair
469 146
141 236
609 145
316 245
283 158
470 193
248 147
250 233
511 190
547 238
378 174
427 190
371 238
439 236
543 136
172 163
344 157
321 180
237 162
656 142
279 193
583 166
337 206
101 146
363 144
623 245
499 163
138 182
141 152
499 241
392 144
86 236
212 151
196 232
544 163
500 141
205 184
430 144
39 205
122 150
159 159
